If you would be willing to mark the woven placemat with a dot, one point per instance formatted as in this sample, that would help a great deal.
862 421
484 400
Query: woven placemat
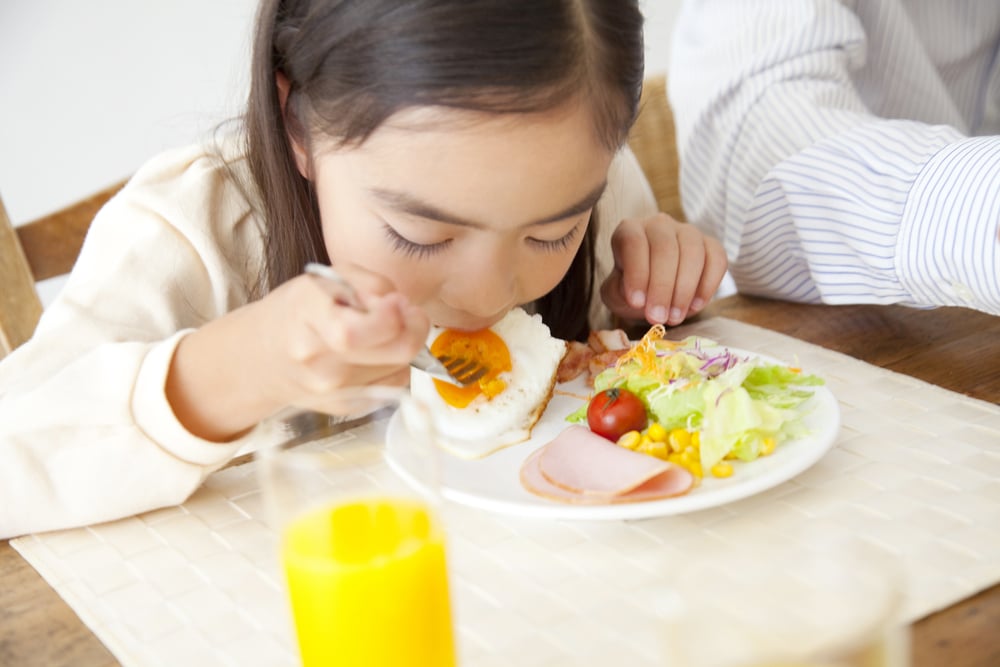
915 470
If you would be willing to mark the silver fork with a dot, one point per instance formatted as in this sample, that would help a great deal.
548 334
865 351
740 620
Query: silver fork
456 370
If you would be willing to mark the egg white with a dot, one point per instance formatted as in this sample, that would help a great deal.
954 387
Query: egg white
486 425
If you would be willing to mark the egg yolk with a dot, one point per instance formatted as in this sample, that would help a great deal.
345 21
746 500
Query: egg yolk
482 347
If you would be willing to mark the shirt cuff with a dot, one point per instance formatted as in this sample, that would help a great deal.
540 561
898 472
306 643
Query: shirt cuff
154 416
947 251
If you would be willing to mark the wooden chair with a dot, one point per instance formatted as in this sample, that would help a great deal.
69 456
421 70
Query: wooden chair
655 146
41 249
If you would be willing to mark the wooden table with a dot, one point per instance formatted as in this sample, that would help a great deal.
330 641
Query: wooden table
955 348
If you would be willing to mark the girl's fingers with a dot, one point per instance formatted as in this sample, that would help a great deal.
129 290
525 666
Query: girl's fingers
664 270
690 271
711 275
666 254
630 246
342 345
613 296
383 330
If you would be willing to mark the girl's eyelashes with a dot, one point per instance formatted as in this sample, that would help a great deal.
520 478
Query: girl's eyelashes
556 245
410 249
422 250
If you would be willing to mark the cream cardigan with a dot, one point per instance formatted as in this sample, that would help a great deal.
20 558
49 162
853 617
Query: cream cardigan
86 433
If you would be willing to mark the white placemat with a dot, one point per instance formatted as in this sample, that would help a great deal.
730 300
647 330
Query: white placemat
915 470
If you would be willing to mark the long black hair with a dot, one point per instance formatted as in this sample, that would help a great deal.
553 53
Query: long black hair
351 64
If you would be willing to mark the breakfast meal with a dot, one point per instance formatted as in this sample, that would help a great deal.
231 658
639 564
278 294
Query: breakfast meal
501 408
655 417
692 406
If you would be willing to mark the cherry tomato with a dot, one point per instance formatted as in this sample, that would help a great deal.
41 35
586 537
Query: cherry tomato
614 412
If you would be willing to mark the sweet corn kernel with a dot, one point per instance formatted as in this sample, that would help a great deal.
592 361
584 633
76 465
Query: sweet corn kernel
696 439
630 439
656 432
676 459
679 438
657 449
767 446
695 469
722 470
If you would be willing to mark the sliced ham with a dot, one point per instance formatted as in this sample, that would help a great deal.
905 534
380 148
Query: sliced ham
581 461
584 468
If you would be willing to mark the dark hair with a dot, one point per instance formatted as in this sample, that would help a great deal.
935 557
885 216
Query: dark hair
351 64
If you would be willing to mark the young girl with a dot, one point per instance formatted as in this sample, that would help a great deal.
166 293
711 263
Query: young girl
452 158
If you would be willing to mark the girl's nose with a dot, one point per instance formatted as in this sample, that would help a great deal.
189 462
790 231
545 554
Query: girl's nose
487 292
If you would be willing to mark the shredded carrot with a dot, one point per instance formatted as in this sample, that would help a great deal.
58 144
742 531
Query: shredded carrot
644 352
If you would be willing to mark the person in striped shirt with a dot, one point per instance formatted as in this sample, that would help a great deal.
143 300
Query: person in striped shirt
845 151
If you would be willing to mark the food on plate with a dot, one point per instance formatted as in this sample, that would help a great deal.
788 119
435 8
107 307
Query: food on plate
503 406
581 467
613 412
708 405
602 349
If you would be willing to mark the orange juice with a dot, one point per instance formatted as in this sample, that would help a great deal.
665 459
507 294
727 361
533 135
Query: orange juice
368 585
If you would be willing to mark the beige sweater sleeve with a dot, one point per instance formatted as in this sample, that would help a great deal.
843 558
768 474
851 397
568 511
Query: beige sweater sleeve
86 433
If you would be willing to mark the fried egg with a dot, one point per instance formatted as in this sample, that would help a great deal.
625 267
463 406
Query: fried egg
503 406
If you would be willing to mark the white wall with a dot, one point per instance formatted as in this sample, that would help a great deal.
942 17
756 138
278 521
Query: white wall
660 17
92 89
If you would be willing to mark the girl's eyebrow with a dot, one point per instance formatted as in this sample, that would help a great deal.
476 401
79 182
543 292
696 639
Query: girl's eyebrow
410 205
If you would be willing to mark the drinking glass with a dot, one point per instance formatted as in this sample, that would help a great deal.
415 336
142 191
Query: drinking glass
831 603
363 552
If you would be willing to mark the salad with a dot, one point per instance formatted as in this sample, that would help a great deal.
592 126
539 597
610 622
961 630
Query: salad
706 404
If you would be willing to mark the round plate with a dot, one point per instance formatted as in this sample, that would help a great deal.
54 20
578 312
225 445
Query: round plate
493 483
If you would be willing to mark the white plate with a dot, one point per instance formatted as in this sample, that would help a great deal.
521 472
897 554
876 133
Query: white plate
493 483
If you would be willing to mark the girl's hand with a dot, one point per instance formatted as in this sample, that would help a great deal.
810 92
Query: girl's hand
321 344
295 347
664 270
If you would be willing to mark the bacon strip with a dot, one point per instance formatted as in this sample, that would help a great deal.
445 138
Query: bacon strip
605 340
602 350
574 362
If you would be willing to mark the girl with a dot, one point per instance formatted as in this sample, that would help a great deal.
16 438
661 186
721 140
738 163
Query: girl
453 158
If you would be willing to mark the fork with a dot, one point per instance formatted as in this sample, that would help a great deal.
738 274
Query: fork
456 370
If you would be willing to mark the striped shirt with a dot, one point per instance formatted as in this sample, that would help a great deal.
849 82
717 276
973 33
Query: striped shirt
845 151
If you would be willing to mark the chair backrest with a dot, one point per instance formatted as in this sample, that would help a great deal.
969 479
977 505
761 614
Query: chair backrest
655 146
41 249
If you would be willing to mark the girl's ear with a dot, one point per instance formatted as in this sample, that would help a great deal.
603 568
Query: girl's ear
293 128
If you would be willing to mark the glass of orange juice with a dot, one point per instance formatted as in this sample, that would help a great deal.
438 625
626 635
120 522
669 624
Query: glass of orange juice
363 554
832 602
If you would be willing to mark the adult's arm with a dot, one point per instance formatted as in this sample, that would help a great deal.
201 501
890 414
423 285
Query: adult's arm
815 197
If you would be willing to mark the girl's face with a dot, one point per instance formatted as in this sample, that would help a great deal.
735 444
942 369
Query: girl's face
467 214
